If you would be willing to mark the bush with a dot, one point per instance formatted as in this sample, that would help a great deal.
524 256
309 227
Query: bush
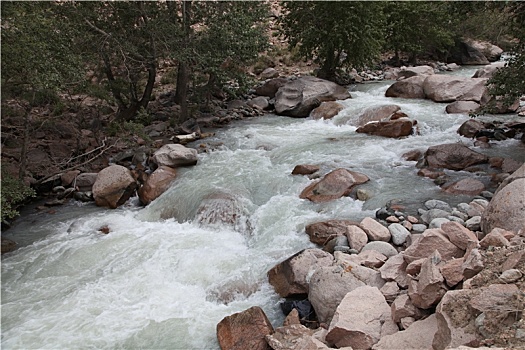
13 194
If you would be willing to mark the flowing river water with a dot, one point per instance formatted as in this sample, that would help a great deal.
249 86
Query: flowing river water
167 274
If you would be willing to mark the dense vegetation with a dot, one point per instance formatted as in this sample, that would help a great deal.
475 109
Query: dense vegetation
113 50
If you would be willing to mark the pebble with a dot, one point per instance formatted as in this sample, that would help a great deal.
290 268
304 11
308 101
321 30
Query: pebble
437 222
459 214
399 233
419 228
412 219
510 276
437 204
434 213
392 219
463 207
474 223
382 247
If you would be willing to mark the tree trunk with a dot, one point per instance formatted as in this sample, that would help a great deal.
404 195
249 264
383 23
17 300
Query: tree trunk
327 70
183 74
25 143
181 95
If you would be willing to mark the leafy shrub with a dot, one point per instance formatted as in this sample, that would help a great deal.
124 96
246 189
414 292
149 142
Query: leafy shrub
13 194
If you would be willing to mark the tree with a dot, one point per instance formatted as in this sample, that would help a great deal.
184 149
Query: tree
37 59
335 34
132 37
217 39
123 34
508 84
417 28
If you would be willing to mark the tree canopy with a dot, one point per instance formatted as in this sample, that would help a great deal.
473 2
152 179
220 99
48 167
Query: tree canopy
508 84
335 34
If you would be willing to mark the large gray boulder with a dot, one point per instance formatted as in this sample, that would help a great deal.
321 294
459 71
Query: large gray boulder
462 107
175 155
490 51
407 72
114 186
407 88
448 88
488 70
361 319
269 88
466 52
290 276
418 336
506 209
376 113
334 185
454 156
299 97
327 287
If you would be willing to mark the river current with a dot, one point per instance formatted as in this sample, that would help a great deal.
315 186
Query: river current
166 274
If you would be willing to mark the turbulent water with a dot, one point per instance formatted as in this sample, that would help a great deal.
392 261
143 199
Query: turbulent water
167 274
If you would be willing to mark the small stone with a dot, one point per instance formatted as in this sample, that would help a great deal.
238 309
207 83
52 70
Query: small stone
460 214
408 225
511 276
487 194
463 207
474 223
437 204
437 222
382 247
392 219
419 228
399 233
434 213
412 219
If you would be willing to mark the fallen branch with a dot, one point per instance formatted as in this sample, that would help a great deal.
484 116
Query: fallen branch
81 164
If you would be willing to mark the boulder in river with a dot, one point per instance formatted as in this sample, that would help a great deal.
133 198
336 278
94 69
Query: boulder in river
488 70
390 128
156 184
327 110
175 155
454 156
448 88
114 186
376 113
299 97
407 88
334 185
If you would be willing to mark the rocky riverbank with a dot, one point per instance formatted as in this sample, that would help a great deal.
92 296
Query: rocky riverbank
451 277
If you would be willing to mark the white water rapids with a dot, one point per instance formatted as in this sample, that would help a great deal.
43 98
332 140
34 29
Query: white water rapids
165 276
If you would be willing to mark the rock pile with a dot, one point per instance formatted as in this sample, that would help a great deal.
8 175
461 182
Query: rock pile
463 94
435 280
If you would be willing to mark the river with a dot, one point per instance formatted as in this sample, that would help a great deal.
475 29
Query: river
167 274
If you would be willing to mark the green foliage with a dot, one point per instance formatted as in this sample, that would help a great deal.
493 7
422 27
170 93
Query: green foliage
126 130
420 27
36 51
508 84
335 34
13 194
483 20
170 77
